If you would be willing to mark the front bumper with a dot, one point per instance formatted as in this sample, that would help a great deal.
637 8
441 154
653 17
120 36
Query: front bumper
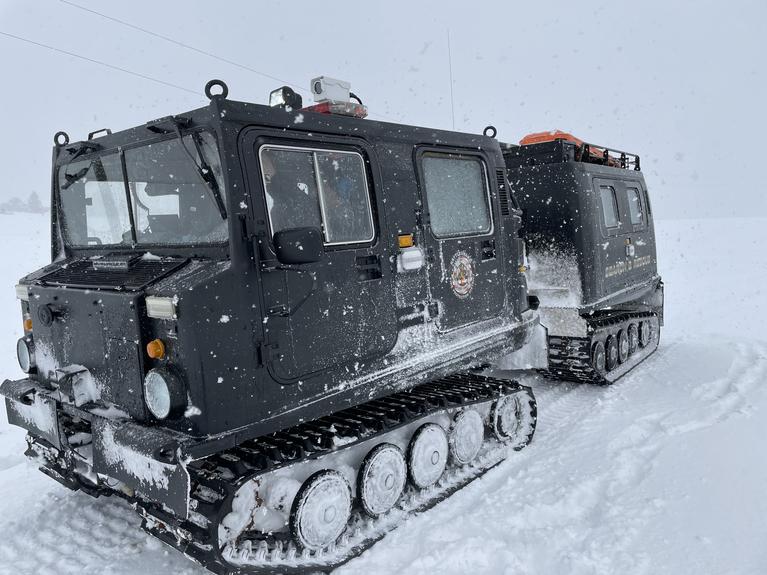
99 450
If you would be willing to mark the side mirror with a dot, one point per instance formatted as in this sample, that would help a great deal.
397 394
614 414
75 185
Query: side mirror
299 245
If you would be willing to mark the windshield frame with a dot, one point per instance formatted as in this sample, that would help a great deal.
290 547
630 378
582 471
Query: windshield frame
212 248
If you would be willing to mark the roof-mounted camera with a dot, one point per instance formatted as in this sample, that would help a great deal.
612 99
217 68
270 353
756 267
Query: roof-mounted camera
332 96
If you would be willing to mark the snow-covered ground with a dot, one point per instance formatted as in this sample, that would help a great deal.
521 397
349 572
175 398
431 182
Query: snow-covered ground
664 472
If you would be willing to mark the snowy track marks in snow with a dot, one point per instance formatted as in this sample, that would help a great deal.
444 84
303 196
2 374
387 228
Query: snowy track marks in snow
71 533
729 395
573 501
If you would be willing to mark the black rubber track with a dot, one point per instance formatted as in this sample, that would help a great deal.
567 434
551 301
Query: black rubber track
570 357
215 480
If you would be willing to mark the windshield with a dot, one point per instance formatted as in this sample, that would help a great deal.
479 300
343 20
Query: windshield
171 196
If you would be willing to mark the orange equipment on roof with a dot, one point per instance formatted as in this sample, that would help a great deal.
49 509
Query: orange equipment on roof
594 153
541 137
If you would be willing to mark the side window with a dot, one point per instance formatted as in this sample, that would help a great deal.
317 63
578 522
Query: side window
326 189
291 188
609 206
345 199
634 197
456 194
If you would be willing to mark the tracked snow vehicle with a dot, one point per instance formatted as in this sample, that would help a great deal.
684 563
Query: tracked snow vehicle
590 242
261 325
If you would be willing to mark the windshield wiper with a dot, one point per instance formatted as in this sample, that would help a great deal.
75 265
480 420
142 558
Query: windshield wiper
82 148
72 179
207 174
77 151
203 169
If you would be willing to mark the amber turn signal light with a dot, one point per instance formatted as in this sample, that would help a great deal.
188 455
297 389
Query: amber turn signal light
405 241
28 324
155 349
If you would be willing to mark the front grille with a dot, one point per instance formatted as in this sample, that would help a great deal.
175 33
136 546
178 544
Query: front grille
83 274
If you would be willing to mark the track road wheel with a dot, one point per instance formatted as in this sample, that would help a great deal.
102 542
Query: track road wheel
505 418
611 349
633 332
427 455
466 436
599 358
645 333
623 346
513 419
381 479
321 510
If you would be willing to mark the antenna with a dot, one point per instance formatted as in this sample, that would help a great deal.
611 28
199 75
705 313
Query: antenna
450 63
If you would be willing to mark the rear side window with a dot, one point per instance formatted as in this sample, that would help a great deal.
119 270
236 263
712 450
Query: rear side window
456 194
609 206
634 197
326 189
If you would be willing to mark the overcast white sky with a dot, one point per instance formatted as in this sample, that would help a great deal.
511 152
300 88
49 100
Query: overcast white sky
683 84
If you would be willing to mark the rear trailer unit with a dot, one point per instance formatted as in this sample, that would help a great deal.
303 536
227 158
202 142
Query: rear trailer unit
591 258
265 326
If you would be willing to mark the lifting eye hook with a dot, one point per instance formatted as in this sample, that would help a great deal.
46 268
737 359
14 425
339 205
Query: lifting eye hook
212 84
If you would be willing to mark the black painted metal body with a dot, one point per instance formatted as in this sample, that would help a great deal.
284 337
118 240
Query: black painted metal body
563 213
261 345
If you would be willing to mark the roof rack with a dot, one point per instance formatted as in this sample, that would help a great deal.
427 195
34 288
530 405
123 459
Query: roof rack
557 146
607 157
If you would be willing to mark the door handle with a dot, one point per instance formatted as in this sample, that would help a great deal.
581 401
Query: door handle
368 268
283 310
488 250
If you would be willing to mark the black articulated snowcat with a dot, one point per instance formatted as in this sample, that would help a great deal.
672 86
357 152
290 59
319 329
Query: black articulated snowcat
590 244
270 328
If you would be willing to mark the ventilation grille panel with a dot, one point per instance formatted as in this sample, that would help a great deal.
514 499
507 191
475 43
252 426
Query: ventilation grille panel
503 192
82 274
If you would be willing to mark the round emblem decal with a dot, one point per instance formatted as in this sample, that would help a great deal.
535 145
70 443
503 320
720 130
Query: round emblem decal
461 274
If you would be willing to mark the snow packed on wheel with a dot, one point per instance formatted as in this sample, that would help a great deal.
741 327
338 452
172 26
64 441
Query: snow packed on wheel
270 328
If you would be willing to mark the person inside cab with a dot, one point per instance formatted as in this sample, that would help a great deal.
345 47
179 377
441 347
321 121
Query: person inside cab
291 190
322 189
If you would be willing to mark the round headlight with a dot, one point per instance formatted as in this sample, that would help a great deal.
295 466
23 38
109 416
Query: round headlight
25 354
163 393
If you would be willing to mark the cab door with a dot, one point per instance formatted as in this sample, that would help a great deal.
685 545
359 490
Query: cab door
628 248
462 264
639 235
338 312
613 226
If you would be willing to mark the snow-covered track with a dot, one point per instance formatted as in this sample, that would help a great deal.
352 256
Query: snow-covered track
223 533
574 358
